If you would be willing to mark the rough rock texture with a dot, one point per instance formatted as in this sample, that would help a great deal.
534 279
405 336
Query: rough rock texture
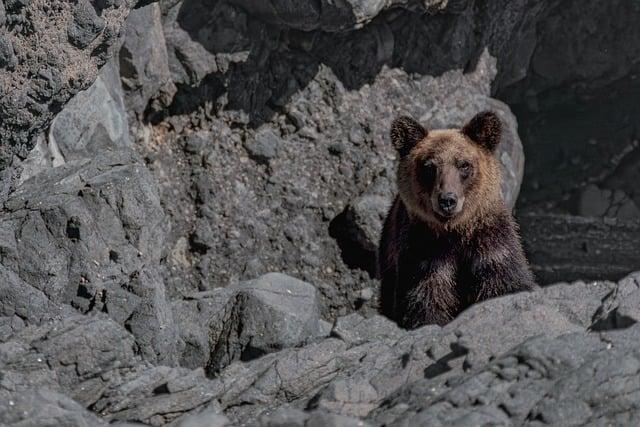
88 234
272 198
489 364
49 50
191 239
143 60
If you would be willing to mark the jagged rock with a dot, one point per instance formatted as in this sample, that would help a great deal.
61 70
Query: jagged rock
144 66
562 380
93 120
77 356
89 234
49 66
368 369
247 320
93 360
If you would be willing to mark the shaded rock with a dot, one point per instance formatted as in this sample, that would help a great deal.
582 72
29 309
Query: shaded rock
144 66
566 247
327 15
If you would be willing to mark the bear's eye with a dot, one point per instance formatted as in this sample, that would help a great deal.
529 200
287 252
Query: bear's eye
428 172
465 169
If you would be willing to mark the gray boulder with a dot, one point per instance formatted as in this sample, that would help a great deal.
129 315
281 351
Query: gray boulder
89 234
94 120
369 368
247 320
144 66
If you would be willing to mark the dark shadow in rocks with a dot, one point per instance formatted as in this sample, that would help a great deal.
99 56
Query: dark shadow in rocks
613 321
441 366
281 61
352 253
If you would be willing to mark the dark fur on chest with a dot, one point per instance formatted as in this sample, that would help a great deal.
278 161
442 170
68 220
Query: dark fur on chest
429 278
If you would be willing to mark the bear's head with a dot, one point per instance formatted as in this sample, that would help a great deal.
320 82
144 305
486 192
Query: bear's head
449 177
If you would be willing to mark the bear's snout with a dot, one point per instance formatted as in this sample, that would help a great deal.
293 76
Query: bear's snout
447 202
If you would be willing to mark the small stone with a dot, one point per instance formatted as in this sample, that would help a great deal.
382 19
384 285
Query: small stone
336 148
86 25
8 58
264 147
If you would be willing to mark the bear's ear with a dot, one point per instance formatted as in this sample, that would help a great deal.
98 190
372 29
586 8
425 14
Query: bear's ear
406 133
485 129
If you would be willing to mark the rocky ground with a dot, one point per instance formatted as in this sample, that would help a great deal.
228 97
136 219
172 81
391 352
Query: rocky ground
192 192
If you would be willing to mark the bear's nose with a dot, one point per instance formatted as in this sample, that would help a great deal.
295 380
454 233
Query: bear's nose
448 202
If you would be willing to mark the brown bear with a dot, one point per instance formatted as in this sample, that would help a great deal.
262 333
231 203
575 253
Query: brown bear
449 240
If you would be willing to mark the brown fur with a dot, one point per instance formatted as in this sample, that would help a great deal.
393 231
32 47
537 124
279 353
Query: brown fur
433 264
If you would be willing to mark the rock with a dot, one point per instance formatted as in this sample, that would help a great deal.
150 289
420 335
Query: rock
264 315
22 305
49 68
538 379
77 356
43 408
7 56
144 66
294 417
369 367
566 247
89 235
85 26
204 40
596 202
93 120
356 330
264 147
157 396
210 418
326 15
